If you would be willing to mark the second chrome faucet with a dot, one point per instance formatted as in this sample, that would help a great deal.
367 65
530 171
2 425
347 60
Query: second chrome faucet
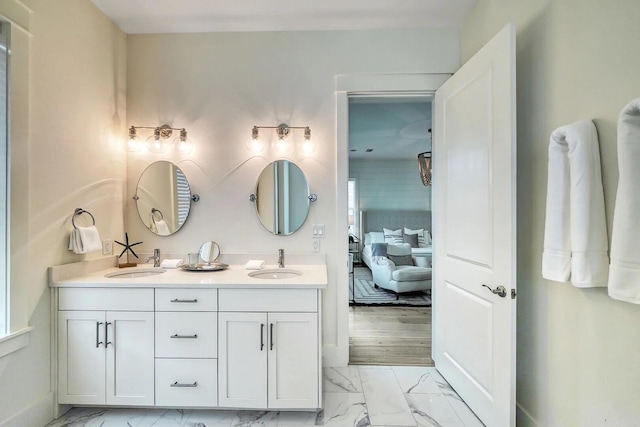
281 258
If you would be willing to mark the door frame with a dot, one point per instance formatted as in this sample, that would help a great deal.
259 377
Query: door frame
349 85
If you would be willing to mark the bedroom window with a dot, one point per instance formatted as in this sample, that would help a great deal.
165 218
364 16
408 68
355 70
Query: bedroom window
352 207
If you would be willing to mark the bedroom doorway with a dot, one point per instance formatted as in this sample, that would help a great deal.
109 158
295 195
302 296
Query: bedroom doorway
389 320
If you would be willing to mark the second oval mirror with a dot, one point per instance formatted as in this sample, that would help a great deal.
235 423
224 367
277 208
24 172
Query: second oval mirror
163 198
282 197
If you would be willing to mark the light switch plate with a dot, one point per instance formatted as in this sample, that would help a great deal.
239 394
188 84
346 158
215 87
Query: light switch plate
107 247
318 230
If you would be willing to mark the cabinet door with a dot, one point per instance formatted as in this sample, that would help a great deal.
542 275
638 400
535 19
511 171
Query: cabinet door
293 360
81 357
130 358
242 350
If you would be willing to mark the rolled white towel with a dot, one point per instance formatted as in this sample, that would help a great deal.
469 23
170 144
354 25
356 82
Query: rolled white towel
254 264
171 263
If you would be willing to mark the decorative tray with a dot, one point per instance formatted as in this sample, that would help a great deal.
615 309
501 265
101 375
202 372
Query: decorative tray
214 266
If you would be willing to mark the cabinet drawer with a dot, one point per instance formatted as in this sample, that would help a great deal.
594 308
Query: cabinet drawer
130 299
186 382
268 300
187 334
186 299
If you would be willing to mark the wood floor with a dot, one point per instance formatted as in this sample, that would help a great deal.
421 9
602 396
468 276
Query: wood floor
386 335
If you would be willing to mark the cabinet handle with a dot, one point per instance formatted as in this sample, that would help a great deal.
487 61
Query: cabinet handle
271 335
177 384
261 336
184 336
98 342
192 301
106 334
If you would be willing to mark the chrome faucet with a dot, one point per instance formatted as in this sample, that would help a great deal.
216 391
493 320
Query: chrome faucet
155 258
281 258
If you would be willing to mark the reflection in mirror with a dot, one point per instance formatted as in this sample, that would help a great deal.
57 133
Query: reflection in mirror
209 252
163 198
282 197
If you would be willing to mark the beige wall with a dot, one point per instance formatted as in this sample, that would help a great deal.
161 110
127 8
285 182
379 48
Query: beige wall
578 350
76 106
219 86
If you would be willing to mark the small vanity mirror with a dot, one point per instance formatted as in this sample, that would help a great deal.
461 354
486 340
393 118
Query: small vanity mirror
282 197
209 252
163 198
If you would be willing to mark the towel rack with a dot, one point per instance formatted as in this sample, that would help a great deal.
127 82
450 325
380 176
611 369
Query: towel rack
156 211
80 211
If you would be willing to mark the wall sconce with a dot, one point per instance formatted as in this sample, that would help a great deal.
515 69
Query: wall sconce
282 145
157 142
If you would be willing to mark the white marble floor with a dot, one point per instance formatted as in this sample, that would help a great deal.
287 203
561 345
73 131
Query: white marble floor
356 396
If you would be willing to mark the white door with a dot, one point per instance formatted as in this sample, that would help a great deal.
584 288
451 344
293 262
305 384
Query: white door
242 370
474 186
81 358
130 358
293 360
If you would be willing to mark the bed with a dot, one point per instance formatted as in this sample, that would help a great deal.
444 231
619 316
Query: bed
372 223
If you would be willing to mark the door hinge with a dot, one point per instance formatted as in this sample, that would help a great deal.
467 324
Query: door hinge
513 294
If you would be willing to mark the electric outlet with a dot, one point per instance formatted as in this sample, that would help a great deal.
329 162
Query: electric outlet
316 244
107 247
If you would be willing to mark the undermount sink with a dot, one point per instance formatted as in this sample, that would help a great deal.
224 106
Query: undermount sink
135 273
275 273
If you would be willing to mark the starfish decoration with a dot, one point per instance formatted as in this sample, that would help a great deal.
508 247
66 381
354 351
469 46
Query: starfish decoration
127 246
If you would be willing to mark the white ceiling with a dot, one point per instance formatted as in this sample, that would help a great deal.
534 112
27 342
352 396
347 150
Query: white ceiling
393 128
196 16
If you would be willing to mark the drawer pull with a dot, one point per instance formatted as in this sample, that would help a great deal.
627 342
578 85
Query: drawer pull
271 336
192 301
261 336
177 384
185 336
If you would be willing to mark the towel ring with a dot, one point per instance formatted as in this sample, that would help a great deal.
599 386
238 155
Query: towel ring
80 211
156 211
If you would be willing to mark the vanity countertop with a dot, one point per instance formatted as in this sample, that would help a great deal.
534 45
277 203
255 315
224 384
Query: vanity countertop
236 276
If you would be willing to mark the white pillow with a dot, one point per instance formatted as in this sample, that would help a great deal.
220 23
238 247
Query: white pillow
375 237
393 236
424 238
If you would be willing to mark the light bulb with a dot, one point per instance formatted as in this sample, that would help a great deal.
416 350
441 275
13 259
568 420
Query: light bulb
255 143
282 145
133 143
155 143
183 144
307 145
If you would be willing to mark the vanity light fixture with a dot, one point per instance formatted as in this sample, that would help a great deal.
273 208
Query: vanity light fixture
282 145
157 142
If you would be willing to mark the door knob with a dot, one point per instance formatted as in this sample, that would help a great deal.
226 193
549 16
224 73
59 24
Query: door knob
500 290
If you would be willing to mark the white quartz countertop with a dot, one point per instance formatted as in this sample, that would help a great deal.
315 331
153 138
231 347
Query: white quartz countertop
236 276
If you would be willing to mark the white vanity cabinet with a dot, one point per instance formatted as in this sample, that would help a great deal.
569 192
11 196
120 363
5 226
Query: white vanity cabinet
186 347
105 346
269 349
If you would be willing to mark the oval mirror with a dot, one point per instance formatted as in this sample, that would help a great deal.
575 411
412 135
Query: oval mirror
163 198
209 252
282 197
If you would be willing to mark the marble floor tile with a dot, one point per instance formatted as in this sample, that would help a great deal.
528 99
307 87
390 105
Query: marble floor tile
300 419
345 410
255 419
385 401
433 410
211 418
77 417
462 410
416 379
342 380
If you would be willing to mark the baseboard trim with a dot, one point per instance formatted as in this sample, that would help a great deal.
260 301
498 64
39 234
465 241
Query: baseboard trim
39 413
524 418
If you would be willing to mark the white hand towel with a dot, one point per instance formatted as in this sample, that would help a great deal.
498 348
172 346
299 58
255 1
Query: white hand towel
575 235
254 264
171 263
161 227
624 273
87 240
